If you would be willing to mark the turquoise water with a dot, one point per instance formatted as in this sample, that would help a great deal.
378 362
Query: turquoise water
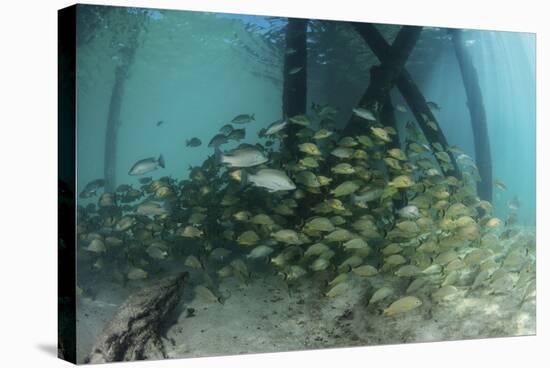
187 73
505 62
195 71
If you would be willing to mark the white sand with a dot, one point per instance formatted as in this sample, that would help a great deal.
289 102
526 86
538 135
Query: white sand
264 318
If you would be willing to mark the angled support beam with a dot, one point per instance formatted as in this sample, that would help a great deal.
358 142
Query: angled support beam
408 88
384 76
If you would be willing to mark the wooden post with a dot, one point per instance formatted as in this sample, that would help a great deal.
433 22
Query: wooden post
113 119
113 123
295 82
477 116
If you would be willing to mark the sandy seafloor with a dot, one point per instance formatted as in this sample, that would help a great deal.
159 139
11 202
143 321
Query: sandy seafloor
267 316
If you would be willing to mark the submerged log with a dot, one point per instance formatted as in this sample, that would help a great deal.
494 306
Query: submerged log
295 78
410 92
477 116
134 331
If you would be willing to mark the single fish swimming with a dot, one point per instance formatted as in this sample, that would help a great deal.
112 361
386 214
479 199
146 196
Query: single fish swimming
270 179
193 142
91 188
226 129
149 208
364 113
146 165
241 157
243 119
236 135
217 140
275 127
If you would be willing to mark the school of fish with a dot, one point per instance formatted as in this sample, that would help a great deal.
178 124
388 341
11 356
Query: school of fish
348 207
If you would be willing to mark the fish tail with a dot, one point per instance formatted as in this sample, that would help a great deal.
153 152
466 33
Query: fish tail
252 117
161 161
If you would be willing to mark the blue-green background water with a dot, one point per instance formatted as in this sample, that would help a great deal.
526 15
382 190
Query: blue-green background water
195 71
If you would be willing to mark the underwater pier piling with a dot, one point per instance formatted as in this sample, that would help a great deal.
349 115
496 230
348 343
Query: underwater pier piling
383 78
477 116
111 134
410 92
294 83
113 118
